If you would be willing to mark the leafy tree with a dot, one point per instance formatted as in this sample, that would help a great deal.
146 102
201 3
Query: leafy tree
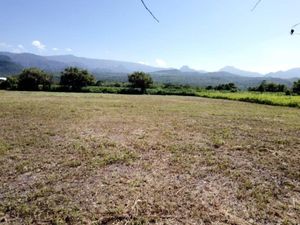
269 87
281 88
296 87
140 80
262 86
32 78
10 84
226 87
74 79
99 83
3 84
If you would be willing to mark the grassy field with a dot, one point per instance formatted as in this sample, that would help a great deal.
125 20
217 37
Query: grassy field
279 99
114 159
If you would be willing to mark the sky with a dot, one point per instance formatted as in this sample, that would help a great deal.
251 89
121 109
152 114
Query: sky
203 34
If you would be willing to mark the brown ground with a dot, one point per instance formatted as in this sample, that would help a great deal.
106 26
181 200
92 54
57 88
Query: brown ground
113 159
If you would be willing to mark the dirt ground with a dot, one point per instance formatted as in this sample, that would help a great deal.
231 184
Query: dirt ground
115 159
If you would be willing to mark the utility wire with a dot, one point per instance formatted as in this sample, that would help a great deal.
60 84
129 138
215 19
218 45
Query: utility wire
149 11
257 3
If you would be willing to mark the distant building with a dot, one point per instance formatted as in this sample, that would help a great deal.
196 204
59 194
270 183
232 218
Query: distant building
3 78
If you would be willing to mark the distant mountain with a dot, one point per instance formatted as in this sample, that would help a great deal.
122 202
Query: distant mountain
58 63
30 60
113 70
102 65
214 78
292 73
289 74
8 67
233 70
188 69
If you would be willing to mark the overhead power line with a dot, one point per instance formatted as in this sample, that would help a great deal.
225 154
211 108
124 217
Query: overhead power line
146 7
255 6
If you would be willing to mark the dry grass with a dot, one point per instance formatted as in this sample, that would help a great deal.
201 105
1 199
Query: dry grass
113 159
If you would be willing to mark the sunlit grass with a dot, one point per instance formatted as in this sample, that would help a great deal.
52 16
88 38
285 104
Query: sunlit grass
279 99
82 158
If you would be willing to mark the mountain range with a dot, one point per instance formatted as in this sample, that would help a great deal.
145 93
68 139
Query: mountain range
113 70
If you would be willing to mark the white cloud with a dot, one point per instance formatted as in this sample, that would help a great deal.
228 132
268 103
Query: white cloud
4 46
69 49
7 47
160 62
55 49
39 45
21 47
144 63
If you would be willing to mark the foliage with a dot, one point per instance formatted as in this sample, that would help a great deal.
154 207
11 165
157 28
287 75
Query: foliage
269 87
227 87
296 87
32 78
101 89
223 87
278 99
2 84
99 83
140 80
74 79
10 84
173 91
177 86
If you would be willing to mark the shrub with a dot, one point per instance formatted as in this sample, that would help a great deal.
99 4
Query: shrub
10 84
75 79
269 87
32 78
140 80
296 87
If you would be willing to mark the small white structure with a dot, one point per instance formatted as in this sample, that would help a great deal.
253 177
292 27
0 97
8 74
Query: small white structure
3 78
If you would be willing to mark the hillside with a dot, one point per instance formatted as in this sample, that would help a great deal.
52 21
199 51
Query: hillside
30 60
101 65
7 66
289 74
112 70
215 78
233 70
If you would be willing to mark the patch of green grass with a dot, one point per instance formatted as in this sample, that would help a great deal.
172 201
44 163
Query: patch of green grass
278 99
122 156
4 147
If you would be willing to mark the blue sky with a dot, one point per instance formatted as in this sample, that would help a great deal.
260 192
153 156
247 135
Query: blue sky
204 34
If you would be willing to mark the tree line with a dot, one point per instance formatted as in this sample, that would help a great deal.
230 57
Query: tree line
264 86
75 79
71 79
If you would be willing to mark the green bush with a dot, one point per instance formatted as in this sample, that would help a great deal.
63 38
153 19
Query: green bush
10 84
269 87
34 79
140 80
296 87
75 79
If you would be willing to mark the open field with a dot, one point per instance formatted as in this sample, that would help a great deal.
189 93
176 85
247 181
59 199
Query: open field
266 98
114 159
279 99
